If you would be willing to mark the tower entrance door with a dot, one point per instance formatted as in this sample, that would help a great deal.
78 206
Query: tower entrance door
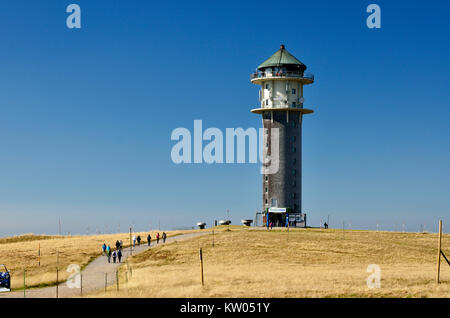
277 219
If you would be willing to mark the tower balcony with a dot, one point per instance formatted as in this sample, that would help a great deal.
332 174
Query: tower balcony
304 111
259 77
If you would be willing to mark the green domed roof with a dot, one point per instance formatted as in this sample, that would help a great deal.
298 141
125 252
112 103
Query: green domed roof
280 58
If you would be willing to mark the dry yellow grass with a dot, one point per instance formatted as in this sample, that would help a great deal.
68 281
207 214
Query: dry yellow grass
303 263
21 252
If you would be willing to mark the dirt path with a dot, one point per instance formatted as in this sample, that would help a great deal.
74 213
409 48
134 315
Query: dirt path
93 275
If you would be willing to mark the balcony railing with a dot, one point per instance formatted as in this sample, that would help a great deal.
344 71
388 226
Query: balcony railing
305 75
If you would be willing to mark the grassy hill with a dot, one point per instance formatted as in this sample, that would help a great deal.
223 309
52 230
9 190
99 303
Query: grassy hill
21 252
247 262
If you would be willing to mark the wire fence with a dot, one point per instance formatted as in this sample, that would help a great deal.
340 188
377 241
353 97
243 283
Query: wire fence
80 283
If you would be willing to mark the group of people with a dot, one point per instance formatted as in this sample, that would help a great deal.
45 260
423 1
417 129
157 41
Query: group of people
149 239
116 255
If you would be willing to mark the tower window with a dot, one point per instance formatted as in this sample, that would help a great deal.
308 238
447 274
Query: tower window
267 190
267 102
294 138
267 86
294 172
267 178
294 104
274 203
294 149
294 91
294 124
266 201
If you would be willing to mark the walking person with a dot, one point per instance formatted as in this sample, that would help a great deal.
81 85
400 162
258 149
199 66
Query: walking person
139 240
134 240
114 256
109 254
104 248
164 236
157 238
121 244
149 240
119 255
117 244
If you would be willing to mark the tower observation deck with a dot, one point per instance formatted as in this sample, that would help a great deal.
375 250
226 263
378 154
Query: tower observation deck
282 77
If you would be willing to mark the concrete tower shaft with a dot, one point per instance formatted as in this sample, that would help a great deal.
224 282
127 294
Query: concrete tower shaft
284 188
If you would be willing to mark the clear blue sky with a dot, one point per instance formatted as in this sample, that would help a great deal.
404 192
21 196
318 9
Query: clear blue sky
86 115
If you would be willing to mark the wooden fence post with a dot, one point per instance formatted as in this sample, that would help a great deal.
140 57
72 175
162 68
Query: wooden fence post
106 281
201 266
24 284
117 279
57 273
57 278
439 252
131 244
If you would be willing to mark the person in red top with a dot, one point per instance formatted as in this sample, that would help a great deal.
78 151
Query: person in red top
157 238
